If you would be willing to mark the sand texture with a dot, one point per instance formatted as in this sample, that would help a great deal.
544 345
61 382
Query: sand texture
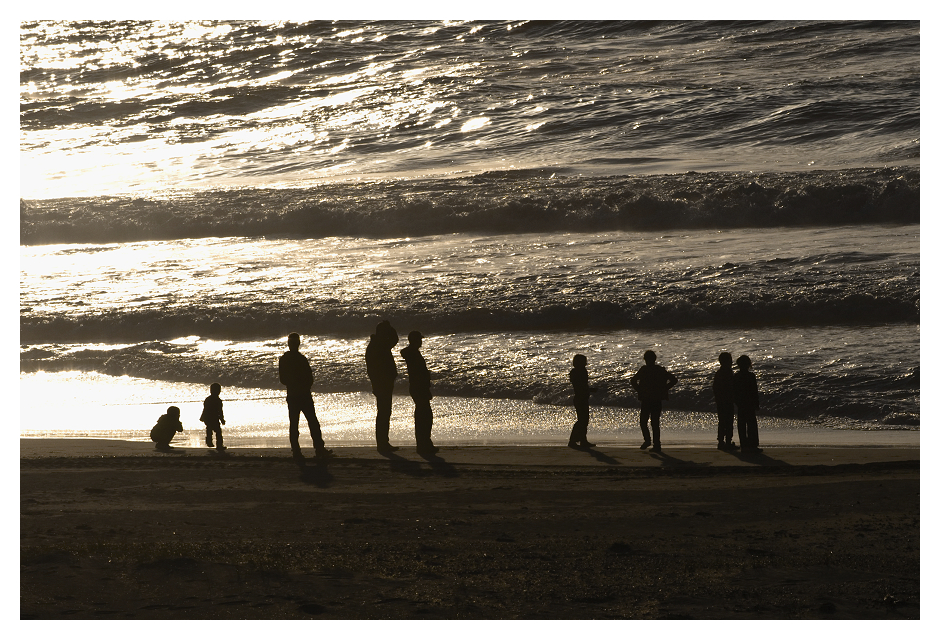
114 530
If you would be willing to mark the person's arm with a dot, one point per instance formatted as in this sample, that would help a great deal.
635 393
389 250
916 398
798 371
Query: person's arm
221 415
635 381
308 374
671 380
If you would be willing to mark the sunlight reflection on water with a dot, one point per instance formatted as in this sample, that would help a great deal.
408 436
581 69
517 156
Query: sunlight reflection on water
98 405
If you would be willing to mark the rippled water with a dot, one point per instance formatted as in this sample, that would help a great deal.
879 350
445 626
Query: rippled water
519 191
115 106
834 332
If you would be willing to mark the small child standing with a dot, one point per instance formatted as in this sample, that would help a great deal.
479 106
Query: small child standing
582 392
212 416
168 425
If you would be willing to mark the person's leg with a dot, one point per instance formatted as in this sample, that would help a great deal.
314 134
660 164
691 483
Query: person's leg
752 436
742 429
579 430
293 414
310 413
584 417
644 420
423 421
725 423
208 434
218 436
656 410
383 416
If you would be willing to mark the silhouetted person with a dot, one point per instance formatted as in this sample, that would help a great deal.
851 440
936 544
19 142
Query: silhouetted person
419 386
212 416
582 392
168 425
652 383
723 387
380 364
748 402
295 373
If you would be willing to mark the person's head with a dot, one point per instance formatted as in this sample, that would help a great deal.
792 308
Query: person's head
743 362
650 357
415 338
579 361
293 341
173 412
385 332
724 359
215 388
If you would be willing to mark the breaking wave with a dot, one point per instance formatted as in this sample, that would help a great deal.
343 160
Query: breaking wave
493 202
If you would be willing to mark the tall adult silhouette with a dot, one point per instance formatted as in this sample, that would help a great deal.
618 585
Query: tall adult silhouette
380 365
723 388
748 402
652 383
419 386
295 373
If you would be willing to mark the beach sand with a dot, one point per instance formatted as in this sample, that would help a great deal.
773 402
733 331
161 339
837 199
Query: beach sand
112 529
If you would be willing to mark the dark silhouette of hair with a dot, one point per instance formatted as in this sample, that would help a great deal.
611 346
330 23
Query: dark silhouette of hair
293 341
215 388
386 334
173 411
724 358
579 360
649 357
743 362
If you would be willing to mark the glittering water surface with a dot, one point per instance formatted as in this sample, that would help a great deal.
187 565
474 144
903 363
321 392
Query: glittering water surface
503 315
518 191
115 106
126 408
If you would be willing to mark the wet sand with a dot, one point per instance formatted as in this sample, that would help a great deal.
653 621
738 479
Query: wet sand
114 530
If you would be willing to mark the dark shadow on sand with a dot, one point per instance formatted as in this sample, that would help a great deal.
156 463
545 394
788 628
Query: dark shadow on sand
439 465
402 465
754 457
597 455
671 461
317 473
170 449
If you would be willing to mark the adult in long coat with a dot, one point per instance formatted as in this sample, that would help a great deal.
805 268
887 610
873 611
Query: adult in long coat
380 365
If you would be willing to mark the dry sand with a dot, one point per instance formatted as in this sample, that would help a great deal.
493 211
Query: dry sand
114 530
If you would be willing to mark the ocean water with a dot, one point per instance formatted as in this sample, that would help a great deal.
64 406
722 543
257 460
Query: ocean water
518 191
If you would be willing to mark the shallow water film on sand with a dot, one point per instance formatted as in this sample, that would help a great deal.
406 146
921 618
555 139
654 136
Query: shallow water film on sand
519 192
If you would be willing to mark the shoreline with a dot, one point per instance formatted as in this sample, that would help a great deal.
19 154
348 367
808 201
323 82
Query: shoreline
495 454
698 443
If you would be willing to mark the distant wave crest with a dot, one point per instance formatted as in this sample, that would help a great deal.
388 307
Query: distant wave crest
898 303
494 202
870 395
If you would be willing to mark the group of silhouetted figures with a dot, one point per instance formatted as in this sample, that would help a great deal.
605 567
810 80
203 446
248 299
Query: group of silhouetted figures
734 393
652 384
